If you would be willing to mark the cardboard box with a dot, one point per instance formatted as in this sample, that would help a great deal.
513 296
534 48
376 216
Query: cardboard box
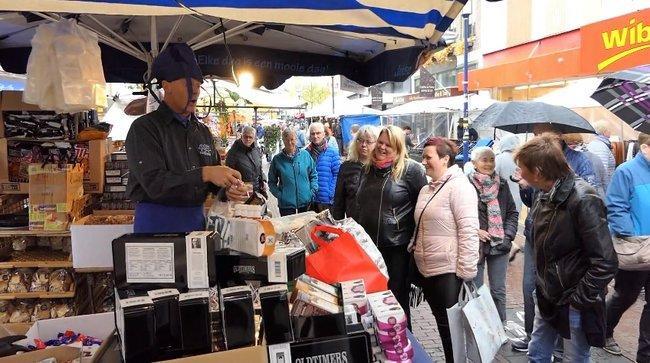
251 236
92 244
100 326
256 354
52 191
93 181
13 101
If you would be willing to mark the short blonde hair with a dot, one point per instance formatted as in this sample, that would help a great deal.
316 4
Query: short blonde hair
397 141
366 130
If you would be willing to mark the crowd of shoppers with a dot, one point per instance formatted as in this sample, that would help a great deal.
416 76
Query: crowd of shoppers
422 216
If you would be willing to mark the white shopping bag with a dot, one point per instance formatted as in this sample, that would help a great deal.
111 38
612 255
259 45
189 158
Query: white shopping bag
459 343
483 328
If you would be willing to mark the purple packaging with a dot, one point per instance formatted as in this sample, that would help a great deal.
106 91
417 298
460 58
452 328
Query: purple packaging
399 354
387 311
391 337
354 294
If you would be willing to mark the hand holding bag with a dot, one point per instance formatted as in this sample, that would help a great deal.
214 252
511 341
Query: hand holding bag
342 259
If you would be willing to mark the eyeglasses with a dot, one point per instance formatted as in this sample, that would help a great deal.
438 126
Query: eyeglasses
366 142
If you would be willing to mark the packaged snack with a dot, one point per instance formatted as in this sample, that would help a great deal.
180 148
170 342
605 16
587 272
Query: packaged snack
61 281
42 310
20 280
5 276
6 308
23 312
40 280
22 243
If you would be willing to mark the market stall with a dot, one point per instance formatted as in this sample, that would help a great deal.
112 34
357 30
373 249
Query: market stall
248 288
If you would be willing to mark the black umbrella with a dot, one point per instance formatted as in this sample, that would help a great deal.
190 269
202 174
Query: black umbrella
522 116
627 95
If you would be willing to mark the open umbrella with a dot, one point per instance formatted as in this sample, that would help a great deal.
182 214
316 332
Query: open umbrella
627 95
522 116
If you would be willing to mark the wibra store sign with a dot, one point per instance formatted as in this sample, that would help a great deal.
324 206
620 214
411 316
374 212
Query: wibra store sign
616 44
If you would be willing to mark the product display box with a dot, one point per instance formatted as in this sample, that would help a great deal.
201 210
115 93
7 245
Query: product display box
13 101
100 326
255 237
156 261
93 179
274 301
347 348
284 265
91 244
238 316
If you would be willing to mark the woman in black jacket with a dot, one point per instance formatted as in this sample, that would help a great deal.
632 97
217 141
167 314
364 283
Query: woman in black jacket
388 193
498 220
347 184
574 255
246 157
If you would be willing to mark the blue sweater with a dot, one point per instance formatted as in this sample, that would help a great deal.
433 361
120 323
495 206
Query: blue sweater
327 166
293 180
628 198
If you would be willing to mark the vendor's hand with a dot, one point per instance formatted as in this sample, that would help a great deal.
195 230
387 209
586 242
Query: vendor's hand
238 192
222 176
484 236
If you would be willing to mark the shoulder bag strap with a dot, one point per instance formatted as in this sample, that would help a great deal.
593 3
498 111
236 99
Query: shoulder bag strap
417 226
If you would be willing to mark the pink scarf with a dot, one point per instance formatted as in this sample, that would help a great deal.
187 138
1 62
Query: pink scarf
488 188
383 164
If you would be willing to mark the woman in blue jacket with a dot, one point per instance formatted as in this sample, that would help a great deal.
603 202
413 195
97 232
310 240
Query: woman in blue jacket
292 176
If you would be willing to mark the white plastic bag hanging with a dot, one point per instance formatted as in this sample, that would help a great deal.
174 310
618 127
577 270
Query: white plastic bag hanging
64 70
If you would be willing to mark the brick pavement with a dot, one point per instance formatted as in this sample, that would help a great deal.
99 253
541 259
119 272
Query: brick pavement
424 326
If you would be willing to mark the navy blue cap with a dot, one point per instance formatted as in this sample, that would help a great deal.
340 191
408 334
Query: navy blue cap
175 62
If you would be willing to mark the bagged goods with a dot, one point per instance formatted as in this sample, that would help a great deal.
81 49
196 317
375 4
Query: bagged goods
64 70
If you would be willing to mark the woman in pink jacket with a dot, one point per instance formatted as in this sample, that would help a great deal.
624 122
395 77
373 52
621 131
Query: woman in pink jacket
446 243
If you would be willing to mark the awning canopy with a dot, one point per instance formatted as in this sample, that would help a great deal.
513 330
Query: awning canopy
368 41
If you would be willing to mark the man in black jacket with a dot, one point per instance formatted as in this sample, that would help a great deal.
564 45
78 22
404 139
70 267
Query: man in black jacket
574 255
245 156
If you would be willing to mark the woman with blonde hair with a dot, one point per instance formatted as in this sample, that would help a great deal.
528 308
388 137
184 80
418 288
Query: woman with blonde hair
388 192
347 184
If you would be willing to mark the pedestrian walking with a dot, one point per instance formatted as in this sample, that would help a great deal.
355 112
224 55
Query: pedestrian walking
446 245
576 142
602 147
327 162
388 192
498 220
245 156
574 255
628 213
292 176
347 183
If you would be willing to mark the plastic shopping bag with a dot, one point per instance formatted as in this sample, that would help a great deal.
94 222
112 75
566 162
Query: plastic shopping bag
459 338
363 239
483 328
343 259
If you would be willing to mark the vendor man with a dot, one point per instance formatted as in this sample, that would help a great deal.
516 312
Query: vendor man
173 164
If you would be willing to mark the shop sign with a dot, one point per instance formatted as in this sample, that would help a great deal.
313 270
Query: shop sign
616 44
346 84
427 84
376 97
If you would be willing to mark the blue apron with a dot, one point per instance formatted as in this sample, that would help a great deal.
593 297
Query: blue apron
158 218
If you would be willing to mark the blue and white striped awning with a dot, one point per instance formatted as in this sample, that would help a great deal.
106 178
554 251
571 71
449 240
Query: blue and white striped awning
368 41
417 19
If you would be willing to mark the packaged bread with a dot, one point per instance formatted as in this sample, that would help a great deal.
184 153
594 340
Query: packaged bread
60 281
5 276
62 309
20 280
23 312
6 308
41 280
42 310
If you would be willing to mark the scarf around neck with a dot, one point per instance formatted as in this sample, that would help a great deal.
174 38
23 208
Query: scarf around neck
488 188
315 150
383 164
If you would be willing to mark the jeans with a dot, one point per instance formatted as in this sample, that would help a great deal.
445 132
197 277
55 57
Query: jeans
627 287
397 260
291 211
497 266
529 287
441 293
543 340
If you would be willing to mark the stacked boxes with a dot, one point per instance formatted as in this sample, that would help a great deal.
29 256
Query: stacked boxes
117 178
390 326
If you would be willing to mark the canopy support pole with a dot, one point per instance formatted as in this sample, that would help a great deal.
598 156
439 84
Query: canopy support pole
116 35
229 34
154 37
172 32
102 38
204 33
